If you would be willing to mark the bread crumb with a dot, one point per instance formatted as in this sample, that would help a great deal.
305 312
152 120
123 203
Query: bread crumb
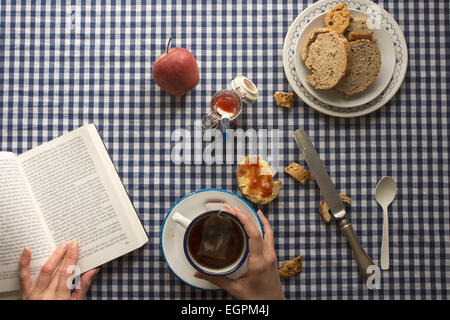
284 99
324 210
298 172
290 268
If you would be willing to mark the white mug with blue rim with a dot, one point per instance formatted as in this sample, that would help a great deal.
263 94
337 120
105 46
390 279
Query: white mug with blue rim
237 267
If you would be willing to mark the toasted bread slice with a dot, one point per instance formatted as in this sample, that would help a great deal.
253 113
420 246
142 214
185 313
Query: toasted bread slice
348 49
276 187
338 18
358 30
353 36
310 38
255 179
364 67
327 59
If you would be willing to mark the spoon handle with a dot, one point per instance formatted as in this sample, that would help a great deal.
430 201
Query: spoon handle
224 126
385 241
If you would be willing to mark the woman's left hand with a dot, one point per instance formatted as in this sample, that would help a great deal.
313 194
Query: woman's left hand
51 285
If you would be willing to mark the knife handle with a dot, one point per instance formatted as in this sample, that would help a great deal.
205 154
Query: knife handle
361 256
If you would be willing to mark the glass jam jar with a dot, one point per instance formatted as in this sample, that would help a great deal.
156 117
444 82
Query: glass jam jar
226 102
226 105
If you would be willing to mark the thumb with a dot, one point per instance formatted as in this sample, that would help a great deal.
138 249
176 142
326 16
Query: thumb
220 281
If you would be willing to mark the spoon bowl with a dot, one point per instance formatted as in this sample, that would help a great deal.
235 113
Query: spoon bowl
385 191
385 194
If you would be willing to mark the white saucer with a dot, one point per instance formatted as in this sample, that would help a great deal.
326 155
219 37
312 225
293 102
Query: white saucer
191 206
335 98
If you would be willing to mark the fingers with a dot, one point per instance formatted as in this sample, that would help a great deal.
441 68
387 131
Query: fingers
65 271
228 208
46 274
248 224
85 283
255 242
24 272
254 235
245 220
268 232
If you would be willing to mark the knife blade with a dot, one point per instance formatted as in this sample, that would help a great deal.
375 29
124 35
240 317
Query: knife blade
335 204
320 174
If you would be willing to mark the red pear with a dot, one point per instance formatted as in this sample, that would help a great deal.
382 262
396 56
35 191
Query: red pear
176 71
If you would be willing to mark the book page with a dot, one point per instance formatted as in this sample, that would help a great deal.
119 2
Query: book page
79 201
21 225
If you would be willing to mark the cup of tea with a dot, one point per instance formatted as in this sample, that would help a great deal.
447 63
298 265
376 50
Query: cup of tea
215 243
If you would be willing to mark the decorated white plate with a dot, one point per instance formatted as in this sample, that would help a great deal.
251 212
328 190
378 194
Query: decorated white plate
191 206
377 16
335 98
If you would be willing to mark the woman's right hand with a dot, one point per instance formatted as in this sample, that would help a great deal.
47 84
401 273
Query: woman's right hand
262 280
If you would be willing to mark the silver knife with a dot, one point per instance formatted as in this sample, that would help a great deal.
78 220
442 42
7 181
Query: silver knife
334 202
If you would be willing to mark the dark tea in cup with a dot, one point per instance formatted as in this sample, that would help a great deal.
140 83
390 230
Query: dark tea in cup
216 240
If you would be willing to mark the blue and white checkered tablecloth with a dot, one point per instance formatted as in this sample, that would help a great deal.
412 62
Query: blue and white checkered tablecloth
64 65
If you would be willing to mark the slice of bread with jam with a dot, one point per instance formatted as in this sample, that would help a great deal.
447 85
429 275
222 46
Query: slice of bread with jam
255 179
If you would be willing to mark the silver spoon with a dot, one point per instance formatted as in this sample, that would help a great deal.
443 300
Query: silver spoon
385 194
224 122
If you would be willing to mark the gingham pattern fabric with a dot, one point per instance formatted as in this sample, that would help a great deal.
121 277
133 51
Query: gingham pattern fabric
65 65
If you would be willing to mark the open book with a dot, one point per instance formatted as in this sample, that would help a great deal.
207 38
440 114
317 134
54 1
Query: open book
65 189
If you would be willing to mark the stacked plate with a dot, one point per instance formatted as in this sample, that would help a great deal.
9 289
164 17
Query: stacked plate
394 60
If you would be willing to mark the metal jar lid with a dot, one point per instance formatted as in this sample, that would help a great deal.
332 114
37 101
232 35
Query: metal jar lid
245 88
